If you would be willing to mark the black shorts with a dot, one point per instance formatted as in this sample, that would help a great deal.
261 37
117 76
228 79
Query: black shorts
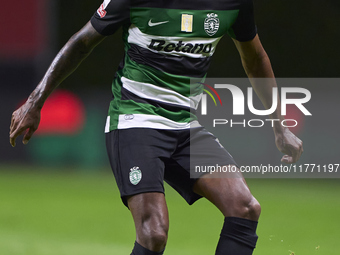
142 158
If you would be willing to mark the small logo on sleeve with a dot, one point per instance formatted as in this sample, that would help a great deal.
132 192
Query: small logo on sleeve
101 10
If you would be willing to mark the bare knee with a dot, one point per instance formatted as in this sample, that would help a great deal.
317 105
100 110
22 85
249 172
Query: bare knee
230 195
151 219
254 210
248 209
153 234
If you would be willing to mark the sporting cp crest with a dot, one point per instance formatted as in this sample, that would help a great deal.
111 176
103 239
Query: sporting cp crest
211 24
135 175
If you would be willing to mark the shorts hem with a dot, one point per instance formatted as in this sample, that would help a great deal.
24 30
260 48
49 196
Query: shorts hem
124 197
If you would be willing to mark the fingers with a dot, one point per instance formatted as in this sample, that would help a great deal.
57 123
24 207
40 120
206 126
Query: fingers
286 159
14 132
298 150
12 123
293 153
24 118
12 141
13 135
28 135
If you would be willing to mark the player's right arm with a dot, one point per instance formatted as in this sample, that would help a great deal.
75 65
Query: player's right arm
27 117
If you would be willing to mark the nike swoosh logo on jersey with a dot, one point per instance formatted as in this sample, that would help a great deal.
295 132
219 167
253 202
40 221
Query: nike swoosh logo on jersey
151 24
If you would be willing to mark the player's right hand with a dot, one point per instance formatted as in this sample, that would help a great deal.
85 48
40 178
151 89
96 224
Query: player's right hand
25 119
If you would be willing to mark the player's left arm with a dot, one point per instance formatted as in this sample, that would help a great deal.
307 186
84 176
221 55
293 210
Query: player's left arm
256 64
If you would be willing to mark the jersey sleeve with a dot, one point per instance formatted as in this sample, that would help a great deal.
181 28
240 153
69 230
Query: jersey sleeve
244 28
110 16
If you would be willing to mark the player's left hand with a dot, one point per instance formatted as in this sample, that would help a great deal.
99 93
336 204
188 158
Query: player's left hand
290 145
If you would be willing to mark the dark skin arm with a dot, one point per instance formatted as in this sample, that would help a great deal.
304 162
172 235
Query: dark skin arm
27 117
256 64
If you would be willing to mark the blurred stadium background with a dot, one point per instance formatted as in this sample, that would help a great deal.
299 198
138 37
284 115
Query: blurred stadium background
57 194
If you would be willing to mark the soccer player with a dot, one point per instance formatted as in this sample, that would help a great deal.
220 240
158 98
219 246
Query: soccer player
149 121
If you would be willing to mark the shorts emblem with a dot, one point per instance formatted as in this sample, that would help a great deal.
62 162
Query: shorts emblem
135 175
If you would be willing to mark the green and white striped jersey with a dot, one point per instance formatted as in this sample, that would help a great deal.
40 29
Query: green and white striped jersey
167 43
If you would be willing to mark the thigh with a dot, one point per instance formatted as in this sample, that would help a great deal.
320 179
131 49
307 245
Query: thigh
228 192
148 206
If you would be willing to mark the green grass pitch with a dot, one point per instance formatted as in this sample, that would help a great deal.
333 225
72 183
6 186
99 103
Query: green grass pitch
52 212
